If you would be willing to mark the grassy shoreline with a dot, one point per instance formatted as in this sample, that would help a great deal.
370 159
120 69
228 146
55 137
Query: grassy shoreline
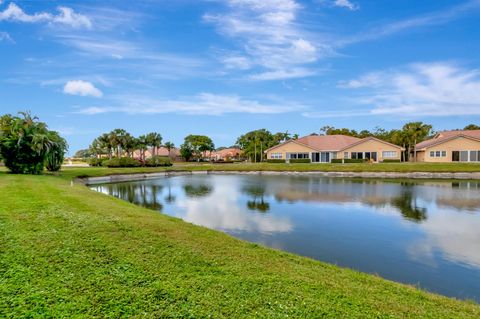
75 172
66 251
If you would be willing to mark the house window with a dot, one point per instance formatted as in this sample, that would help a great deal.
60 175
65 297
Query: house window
345 155
389 154
298 155
463 156
455 156
438 153
473 156
357 155
276 156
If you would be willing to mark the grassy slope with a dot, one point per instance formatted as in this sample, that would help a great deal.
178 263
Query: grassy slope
70 252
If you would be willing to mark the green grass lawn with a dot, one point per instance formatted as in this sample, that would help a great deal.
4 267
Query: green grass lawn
67 251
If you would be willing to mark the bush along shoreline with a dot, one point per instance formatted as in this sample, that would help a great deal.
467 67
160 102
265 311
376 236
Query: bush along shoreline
114 162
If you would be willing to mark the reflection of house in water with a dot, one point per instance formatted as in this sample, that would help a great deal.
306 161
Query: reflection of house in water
257 195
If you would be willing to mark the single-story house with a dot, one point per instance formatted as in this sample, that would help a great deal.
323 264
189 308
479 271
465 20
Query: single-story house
231 153
159 151
450 146
324 148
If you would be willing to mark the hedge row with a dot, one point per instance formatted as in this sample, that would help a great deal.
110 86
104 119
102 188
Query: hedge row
275 161
348 160
392 161
155 161
300 160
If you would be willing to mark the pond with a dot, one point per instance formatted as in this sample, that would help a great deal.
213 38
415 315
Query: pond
425 233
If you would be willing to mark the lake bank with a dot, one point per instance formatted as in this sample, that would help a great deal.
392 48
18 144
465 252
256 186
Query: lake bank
67 250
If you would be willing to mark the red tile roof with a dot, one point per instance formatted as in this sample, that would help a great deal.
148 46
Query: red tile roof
324 142
446 136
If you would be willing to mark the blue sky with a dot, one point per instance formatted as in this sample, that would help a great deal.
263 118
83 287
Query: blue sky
224 67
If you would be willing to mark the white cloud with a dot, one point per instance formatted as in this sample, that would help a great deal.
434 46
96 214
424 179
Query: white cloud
282 74
5 36
270 37
82 88
66 17
428 89
201 104
346 4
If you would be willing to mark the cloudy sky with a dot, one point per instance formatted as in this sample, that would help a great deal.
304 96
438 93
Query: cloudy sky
224 67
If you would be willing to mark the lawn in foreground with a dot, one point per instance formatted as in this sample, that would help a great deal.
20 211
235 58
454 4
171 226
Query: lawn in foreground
66 251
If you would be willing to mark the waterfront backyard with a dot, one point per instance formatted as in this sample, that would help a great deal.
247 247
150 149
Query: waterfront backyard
69 251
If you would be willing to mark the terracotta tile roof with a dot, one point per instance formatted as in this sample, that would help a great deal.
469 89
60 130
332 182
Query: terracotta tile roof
323 142
327 142
447 135
228 152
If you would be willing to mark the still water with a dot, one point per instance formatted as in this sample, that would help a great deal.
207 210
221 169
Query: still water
425 233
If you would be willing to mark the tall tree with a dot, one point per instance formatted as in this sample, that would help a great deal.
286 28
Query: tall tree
169 146
254 143
154 140
415 132
196 146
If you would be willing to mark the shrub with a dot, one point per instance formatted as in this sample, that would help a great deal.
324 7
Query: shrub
156 161
348 160
26 144
96 161
275 161
391 161
122 162
56 153
300 160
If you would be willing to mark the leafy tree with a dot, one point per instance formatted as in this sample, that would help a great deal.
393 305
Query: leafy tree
186 152
56 153
415 132
142 146
254 143
25 144
169 146
196 146
154 140
471 127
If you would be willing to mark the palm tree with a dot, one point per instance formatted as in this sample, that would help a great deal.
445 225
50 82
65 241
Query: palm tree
416 132
169 146
154 140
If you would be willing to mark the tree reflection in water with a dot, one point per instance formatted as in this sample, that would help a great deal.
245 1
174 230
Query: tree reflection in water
407 205
170 198
257 201
139 194
197 190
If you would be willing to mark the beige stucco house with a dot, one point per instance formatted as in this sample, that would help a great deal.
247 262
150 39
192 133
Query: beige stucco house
324 148
450 146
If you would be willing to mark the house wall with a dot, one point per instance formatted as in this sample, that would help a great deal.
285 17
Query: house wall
458 144
372 146
289 147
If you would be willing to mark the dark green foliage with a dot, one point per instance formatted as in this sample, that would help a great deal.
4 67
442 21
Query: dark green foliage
56 153
392 161
96 161
196 146
300 160
26 145
157 161
275 161
349 160
122 162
